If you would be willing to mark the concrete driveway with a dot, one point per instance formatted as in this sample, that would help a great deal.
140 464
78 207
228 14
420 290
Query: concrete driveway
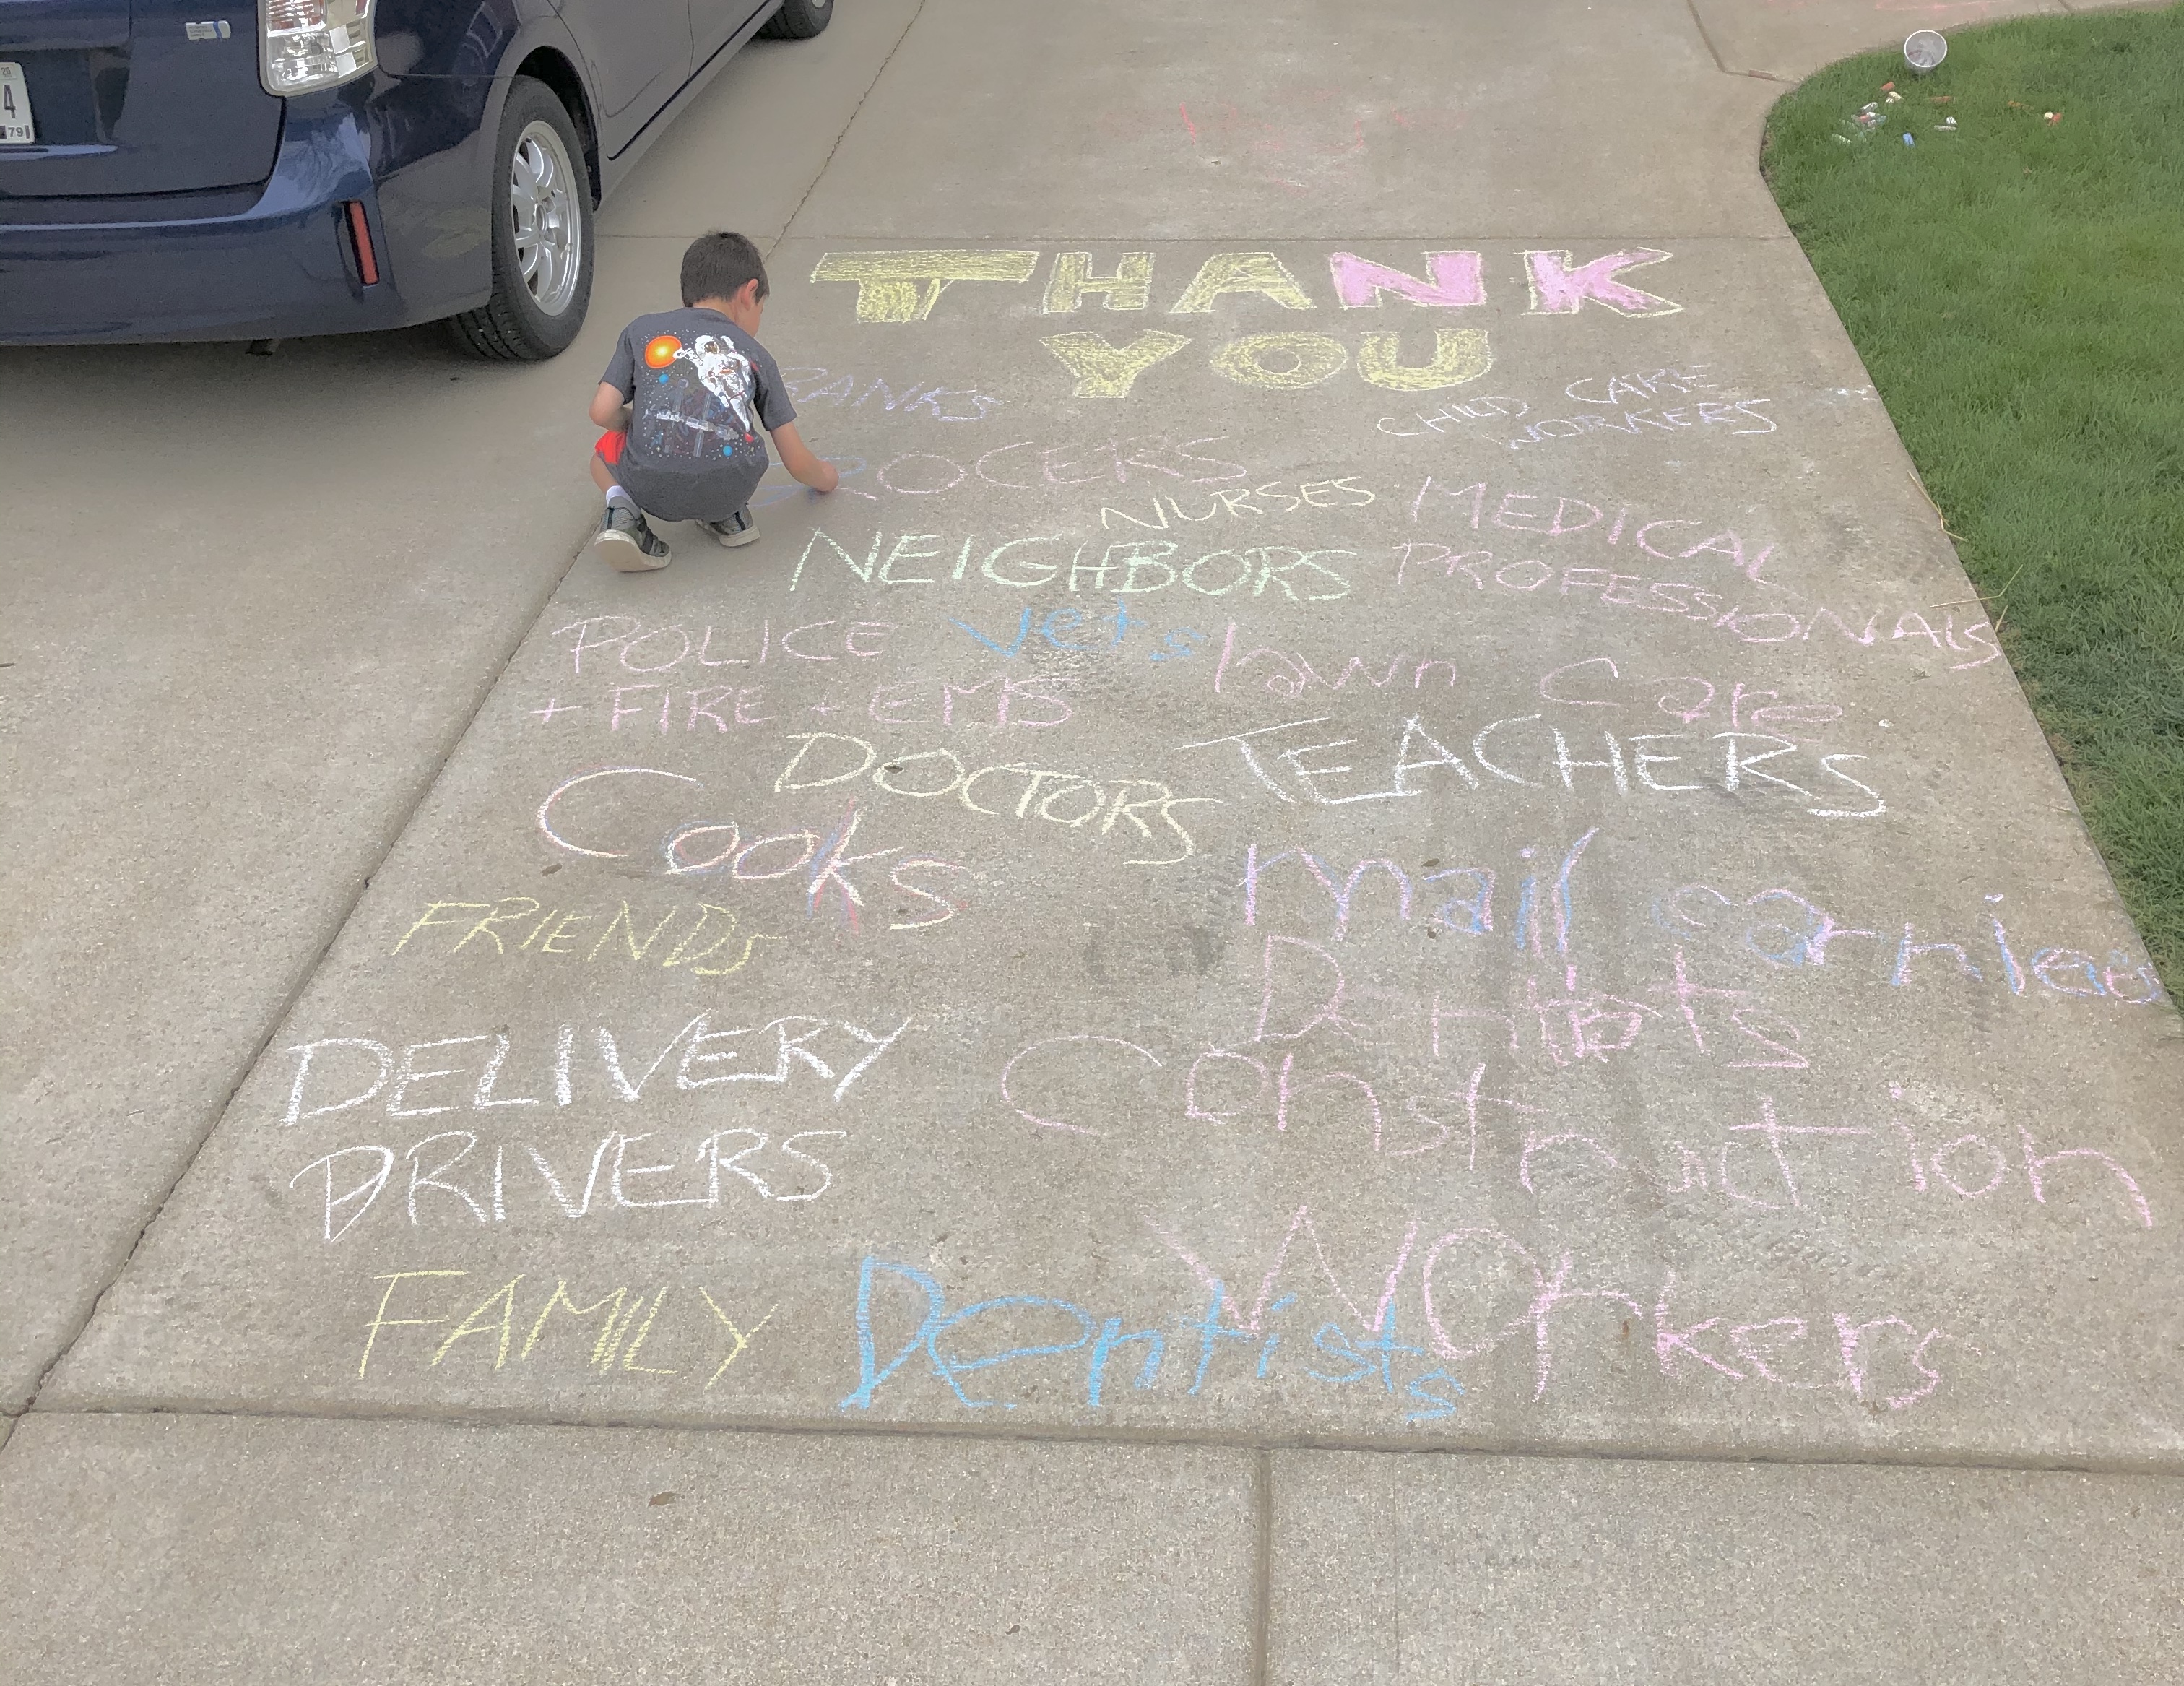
1380 822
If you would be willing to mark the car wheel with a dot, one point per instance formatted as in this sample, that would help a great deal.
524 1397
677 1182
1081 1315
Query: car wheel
798 20
542 234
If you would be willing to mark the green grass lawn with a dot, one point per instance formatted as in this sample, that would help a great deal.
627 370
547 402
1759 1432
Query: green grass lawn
2016 289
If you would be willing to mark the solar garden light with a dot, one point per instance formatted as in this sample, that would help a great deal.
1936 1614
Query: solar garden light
1923 49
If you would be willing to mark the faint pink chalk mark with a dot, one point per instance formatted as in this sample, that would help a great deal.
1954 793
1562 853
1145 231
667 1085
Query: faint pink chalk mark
1051 1042
1301 1219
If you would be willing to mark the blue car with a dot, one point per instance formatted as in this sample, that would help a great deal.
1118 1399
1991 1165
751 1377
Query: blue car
207 170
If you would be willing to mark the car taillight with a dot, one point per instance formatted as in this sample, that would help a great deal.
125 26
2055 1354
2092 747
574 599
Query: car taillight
304 45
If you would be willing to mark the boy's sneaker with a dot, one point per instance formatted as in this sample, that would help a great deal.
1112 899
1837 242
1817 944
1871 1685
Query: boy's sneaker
738 530
624 544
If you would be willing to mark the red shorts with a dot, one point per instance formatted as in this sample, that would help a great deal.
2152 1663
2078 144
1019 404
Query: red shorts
609 448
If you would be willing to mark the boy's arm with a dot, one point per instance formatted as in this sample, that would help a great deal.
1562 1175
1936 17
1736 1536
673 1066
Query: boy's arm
796 457
610 409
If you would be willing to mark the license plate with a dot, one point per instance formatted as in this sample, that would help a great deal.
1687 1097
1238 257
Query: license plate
16 128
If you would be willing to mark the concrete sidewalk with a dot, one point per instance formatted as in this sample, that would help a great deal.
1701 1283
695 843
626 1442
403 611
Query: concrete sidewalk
1423 1005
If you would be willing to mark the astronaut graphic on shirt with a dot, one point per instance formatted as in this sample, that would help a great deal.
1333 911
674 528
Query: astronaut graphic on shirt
700 391
680 412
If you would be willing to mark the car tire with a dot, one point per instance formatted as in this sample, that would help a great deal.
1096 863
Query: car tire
798 20
542 234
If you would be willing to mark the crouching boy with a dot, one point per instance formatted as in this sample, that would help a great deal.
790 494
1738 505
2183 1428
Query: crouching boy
682 401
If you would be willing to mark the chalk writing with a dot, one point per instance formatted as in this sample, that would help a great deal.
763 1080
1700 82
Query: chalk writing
1526 750
708 1341
1611 391
995 703
1612 1083
1280 362
1128 565
904 287
1043 1327
1342 493
818 865
1761 1156
672 650
1071 800
1071 629
1471 910
1792 931
1027 466
1063 1082
1597 682
1615 393
1524 580
1516 512
809 385
339 1074
463 1182
524 925
1736 416
1477 1292
1490 407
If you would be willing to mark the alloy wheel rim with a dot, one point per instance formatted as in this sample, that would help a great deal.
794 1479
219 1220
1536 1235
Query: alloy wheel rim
548 222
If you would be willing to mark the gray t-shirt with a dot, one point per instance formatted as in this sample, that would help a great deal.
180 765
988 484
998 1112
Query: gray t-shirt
702 393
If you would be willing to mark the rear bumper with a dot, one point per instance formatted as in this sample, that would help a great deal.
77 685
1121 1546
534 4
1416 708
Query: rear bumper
280 267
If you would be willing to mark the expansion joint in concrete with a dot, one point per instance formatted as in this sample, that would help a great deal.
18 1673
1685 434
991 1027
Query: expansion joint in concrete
1260 1447
788 223
309 970
1706 36
1262 1563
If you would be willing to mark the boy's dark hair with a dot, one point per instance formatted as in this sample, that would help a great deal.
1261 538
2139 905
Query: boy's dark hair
717 266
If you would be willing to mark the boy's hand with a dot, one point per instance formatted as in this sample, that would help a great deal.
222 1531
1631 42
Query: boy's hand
796 457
